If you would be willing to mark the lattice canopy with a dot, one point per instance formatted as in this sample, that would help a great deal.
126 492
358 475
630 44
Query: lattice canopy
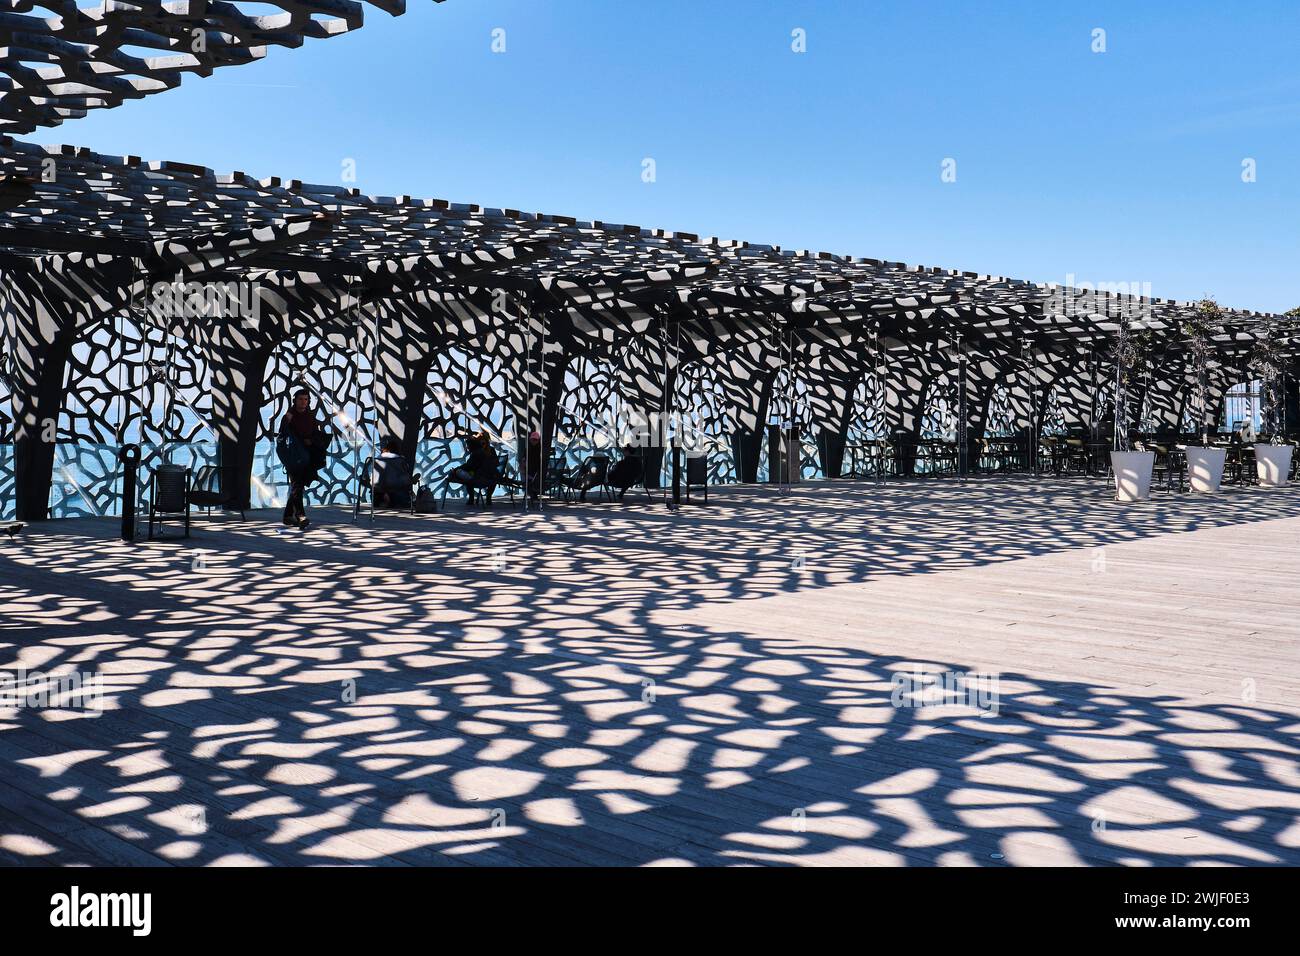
420 317
61 58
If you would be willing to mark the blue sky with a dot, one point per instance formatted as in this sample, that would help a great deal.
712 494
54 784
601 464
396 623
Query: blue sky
1117 166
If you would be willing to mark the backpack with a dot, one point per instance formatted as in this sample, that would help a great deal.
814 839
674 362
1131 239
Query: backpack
292 454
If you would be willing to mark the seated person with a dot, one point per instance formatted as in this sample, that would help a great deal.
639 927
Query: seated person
627 471
478 472
535 465
390 483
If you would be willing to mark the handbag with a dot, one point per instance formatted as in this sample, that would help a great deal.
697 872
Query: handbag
320 447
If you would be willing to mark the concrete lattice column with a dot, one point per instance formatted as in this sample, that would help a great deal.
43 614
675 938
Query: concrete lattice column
831 380
47 302
543 359
907 376
400 345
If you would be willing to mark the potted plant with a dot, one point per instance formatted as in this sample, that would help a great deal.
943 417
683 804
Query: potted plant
1204 461
1132 469
1272 460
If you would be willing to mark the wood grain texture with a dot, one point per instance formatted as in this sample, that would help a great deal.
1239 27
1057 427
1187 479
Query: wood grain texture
617 685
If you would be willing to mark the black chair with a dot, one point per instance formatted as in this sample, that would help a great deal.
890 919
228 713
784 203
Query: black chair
697 475
1249 473
1239 468
479 488
904 449
944 456
992 454
1078 460
169 497
629 472
592 473
555 478
1051 454
1170 465
206 491
886 459
938 456
1025 449
507 477
1007 454
366 491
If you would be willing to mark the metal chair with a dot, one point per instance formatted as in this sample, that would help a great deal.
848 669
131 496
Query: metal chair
169 488
938 456
206 491
555 477
1239 468
592 473
1077 458
507 477
1170 465
631 470
366 489
886 459
697 475
479 485
1051 455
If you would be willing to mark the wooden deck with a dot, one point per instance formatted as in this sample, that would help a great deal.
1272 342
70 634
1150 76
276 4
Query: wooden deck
613 684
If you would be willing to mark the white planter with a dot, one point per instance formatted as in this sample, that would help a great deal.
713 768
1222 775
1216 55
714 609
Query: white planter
1205 467
1272 464
1132 474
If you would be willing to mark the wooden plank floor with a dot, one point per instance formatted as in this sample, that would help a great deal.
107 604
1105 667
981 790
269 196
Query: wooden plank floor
613 684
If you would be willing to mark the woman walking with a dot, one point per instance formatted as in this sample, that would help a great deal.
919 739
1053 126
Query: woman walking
301 445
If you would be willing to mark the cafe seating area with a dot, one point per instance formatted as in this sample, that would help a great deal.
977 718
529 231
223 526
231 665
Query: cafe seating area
1080 456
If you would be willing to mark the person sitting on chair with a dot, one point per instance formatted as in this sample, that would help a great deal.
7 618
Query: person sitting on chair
536 466
478 471
391 482
627 471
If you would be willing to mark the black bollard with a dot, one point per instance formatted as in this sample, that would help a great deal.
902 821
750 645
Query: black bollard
129 456
677 475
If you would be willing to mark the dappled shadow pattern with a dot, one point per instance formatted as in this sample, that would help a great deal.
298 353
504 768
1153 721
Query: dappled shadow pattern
518 701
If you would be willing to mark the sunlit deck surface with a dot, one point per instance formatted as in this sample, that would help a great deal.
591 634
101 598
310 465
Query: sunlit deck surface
612 684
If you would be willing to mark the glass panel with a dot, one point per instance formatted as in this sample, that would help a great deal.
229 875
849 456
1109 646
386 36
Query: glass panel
1242 406
87 478
8 496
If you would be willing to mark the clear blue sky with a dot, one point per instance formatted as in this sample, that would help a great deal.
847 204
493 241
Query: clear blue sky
1116 166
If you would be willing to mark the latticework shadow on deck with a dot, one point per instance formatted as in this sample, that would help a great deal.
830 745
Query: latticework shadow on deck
616 685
